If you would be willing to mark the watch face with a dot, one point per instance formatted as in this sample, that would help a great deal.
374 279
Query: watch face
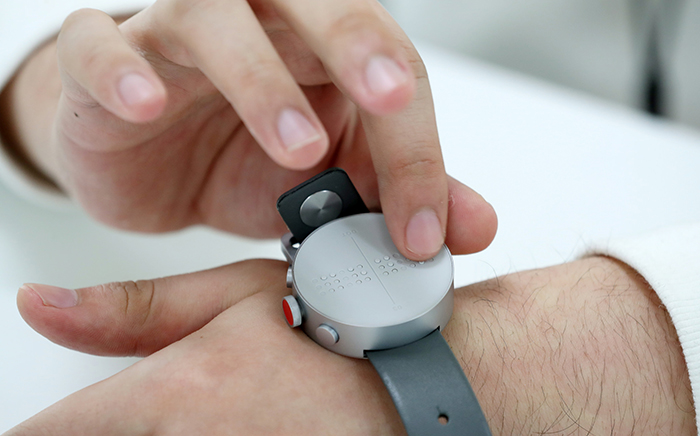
351 273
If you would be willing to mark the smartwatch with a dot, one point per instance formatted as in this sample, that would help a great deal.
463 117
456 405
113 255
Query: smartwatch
356 295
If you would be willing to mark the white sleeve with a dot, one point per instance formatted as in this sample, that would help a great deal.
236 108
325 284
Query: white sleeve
24 26
669 260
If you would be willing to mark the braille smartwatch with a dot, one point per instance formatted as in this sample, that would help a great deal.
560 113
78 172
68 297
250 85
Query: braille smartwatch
356 295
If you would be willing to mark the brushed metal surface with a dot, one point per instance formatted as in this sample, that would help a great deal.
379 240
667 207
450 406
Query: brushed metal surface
349 275
320 208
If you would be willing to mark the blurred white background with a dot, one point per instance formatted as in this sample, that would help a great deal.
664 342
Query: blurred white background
597 46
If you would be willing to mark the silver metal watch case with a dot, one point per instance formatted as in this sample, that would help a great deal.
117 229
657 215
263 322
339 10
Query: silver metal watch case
349 279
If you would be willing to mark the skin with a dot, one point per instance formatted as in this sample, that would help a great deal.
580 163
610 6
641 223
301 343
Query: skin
583 348
176 116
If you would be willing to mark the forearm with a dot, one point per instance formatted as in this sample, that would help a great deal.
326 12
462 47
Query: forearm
581 348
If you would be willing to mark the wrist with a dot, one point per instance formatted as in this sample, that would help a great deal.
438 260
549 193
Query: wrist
585 344
27 108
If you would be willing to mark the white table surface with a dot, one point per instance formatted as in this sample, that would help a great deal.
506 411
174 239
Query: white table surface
560 168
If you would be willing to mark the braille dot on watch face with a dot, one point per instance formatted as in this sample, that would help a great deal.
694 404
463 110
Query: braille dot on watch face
377 260
386 273
368 279
413 265
421 262
323 277
341 287
386 257
359 282
394 270
360 266
364 273
336 281
390 263
332 275
351 269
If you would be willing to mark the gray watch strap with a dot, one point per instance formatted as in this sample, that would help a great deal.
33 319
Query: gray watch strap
429 388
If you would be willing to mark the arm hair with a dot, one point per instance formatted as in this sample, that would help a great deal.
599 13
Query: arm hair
584 348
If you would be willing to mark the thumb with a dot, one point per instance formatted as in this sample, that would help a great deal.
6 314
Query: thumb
137 318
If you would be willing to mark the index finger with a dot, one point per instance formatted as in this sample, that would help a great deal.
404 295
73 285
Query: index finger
372 61
410 173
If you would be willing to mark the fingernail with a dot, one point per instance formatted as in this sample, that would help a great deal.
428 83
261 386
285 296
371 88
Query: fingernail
424 233
295 130
134 89
54 296
384 75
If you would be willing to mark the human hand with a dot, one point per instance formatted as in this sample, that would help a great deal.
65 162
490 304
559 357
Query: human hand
205 112
580 348
244 373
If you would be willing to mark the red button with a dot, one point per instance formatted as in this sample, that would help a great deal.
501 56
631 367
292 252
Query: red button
292 312
287 312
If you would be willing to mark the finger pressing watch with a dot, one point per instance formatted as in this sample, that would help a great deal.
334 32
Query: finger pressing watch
356 295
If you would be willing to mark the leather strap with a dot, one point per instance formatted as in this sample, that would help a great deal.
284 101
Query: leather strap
429 388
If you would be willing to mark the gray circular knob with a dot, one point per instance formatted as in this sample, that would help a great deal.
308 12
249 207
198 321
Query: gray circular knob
326 335
320 208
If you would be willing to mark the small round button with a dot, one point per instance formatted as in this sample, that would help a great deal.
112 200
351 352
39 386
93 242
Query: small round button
292 311
320 208
326 335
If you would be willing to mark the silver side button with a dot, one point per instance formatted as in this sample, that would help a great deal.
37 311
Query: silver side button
290 277
326 335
